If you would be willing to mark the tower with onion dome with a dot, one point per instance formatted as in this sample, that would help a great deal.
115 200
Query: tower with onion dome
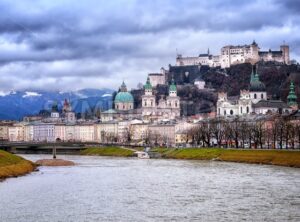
173 101
292 97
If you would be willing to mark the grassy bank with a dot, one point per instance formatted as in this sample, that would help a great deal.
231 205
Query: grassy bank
12 165
108 151
274 157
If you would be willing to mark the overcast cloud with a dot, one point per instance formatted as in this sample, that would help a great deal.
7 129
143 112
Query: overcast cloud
68 45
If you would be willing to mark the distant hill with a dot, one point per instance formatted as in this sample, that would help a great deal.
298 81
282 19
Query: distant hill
15 105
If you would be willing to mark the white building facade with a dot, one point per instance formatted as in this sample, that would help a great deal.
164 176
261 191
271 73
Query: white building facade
168 108
231 55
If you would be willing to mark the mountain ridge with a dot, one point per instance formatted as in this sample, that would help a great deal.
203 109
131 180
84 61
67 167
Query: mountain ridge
17 104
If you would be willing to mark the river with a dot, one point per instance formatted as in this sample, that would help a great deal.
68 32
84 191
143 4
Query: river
120 189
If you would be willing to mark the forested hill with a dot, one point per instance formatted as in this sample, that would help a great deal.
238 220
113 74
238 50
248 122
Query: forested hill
275 76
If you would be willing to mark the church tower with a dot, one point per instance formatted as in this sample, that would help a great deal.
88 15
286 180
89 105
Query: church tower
173 100
54 110
292 98
148 99
173 89
69 115
285 53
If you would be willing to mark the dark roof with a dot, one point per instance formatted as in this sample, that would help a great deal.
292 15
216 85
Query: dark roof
237 46
155 74
295 114
199 79
271 104
203 55
273 52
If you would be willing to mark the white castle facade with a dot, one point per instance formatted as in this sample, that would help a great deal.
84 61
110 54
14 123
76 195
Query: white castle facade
231 55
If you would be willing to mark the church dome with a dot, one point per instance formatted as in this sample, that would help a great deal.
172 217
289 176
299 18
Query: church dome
255 84
124 97
257 87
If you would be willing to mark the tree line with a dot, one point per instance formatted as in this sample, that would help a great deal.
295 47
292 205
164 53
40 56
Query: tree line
238 133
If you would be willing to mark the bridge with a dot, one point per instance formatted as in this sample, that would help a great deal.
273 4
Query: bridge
47 148
43 148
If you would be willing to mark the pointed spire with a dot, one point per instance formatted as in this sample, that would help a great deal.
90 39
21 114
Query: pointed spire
123 87
54 107
208 51
256 74
255 84
292 98
67 106
148 84
172 86
252 75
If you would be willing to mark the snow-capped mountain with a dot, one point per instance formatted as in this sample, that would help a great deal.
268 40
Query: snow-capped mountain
16 104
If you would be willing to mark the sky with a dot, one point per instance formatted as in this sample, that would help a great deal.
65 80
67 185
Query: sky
69 45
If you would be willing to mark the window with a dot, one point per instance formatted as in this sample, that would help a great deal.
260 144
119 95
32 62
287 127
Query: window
219 111
255 96
241 109
262 96
224 112
247 109
231 112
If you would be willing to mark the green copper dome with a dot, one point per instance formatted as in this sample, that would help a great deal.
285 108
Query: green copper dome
148 84
54 107
292 98
172 86
255 84
123 96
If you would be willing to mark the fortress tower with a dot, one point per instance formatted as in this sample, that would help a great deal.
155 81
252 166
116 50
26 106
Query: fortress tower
285 49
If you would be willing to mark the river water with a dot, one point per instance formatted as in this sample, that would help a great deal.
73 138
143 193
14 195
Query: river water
119 189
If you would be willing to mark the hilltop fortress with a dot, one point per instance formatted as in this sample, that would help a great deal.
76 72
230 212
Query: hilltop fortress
231 55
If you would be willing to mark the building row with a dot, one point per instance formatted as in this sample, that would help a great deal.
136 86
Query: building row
130 131
206 132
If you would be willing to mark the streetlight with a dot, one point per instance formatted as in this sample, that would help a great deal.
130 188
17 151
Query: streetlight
54 147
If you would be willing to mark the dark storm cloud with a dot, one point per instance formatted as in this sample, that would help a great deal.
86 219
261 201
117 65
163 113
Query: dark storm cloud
291 5
123 37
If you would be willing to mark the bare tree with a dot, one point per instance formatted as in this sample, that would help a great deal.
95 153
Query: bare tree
217 129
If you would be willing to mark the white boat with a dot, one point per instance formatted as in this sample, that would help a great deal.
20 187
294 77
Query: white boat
142 155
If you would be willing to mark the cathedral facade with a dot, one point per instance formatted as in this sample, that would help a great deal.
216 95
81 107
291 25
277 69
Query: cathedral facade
168 107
